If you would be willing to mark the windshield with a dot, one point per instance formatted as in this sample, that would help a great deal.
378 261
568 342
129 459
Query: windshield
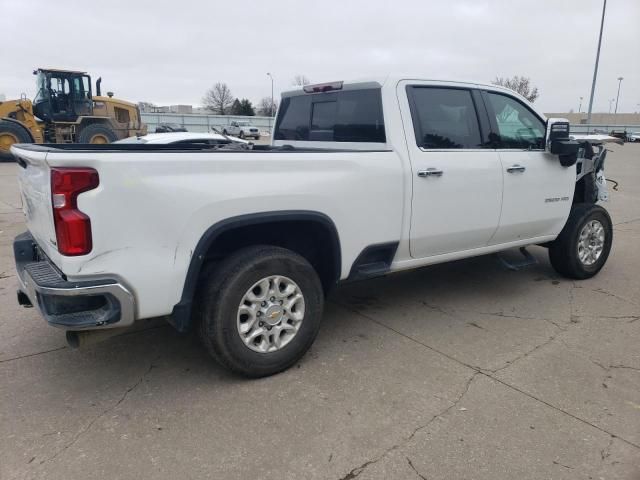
40 88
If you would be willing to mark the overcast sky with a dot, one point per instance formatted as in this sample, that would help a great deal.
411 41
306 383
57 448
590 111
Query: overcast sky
169 52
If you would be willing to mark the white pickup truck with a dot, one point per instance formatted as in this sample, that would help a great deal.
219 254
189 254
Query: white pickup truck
243 244
241 129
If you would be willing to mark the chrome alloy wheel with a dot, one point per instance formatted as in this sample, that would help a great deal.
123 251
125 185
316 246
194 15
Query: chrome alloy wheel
591 242
270 314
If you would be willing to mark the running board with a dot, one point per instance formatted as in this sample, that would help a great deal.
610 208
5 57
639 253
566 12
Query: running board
527 261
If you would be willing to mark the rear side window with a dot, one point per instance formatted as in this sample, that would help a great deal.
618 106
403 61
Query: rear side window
122 115
344 116
444 118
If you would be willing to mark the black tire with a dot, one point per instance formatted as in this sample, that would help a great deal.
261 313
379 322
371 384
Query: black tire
221 291
241 134
97 130
224 132
563 251
11 133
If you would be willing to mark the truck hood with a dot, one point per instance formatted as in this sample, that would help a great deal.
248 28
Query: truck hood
596 138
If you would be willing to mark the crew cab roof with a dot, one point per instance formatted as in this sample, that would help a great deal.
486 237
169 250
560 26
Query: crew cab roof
390 81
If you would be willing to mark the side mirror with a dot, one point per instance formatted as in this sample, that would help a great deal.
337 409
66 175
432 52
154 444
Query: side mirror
559 143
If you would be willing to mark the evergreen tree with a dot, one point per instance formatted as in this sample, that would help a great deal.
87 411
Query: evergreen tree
236 107
246 107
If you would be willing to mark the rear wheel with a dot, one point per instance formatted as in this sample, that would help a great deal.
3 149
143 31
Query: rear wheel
10 134
259 310
583 246
97 133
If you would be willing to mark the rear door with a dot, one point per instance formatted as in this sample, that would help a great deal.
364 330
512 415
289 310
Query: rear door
537 190
456 173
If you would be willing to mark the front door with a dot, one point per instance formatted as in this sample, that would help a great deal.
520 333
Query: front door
456 176
538 190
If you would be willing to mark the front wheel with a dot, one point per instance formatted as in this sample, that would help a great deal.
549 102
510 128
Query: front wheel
241 134
259 311
583 246
11 133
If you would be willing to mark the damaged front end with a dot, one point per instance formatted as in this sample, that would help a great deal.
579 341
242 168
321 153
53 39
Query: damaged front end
591 184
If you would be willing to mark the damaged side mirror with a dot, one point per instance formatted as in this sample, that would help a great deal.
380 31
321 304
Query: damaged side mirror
559 143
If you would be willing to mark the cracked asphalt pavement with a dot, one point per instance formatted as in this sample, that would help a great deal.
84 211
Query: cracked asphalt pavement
456 371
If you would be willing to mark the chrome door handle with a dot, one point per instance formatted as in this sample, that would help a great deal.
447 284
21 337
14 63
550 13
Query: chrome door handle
430 172
516 169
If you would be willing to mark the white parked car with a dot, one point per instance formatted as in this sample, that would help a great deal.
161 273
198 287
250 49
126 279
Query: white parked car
633 137
241 129
183 138
242 245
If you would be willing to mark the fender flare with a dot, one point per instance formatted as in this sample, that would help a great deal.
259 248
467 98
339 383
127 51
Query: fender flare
181 314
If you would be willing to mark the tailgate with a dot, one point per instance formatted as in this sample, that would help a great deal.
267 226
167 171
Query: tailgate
35 190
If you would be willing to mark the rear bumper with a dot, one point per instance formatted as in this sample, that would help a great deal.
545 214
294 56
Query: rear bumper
92 304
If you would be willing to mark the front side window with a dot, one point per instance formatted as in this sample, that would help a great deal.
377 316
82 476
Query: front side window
518 126
342 116
60 86
444 118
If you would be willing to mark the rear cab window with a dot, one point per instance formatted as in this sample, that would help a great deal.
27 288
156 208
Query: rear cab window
351 115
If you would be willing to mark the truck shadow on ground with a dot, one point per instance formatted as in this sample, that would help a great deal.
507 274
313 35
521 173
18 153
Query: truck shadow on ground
467 288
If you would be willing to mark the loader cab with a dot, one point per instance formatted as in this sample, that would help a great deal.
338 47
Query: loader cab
62 96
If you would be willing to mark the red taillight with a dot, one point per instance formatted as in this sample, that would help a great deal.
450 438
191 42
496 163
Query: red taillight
73 228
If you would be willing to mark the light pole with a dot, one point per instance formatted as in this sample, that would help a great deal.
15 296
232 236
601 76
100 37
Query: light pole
580 106
618 96
595 69
270 106
611 103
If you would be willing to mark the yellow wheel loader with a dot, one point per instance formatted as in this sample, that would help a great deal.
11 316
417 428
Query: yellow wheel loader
65 111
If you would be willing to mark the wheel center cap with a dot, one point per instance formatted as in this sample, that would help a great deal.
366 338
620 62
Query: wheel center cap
273 315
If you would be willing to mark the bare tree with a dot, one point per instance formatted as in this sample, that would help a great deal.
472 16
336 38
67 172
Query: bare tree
265 108
521 85
300 80
218 99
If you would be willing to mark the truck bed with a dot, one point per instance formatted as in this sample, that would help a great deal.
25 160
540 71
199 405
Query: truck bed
172 147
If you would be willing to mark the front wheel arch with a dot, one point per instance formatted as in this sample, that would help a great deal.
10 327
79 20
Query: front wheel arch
563 251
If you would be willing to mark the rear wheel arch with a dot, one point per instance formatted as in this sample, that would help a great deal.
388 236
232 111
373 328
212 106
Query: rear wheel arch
311 234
